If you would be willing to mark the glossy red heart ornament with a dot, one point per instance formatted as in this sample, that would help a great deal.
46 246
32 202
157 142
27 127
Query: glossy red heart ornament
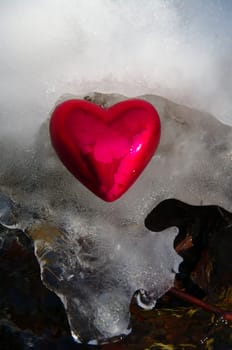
105 149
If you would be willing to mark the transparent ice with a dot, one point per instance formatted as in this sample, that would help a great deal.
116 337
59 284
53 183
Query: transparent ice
96 255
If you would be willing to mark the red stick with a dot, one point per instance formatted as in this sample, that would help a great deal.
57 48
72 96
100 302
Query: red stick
226 315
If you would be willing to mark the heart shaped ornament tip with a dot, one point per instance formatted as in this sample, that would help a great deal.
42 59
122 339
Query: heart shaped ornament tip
105 149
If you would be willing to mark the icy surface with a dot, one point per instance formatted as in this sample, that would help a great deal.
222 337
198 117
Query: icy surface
192 164
97 267
96 255
179 49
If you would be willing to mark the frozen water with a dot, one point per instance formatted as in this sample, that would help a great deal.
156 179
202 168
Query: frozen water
192 163
96 255
178 49
96 268
7 212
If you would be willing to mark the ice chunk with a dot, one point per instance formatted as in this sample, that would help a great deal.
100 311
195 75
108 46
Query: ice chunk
96 272
106 243
7 211
57 43
192 164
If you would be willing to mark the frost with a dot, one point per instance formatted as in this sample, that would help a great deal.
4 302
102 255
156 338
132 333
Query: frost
97 272
49 48
97 255
94 255
7 209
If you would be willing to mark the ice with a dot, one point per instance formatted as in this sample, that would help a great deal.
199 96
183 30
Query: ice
177 49
6 211
192 164
97 268
95 255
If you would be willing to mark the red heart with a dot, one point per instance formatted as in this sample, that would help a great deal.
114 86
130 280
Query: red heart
105 149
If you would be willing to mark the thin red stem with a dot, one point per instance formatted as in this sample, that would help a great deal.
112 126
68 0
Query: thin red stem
226 315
